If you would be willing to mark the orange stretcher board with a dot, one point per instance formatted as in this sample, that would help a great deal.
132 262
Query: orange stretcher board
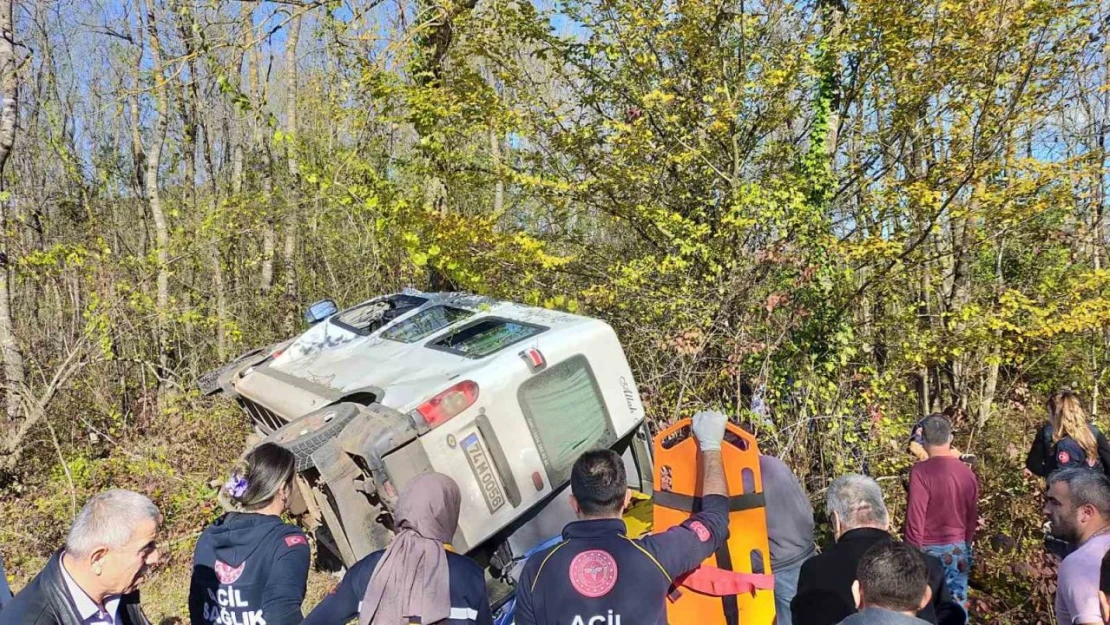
705 597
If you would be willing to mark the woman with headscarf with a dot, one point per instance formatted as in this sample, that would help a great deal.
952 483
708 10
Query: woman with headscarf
417 578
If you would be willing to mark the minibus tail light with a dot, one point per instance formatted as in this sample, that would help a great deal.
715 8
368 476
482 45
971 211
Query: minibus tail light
449 403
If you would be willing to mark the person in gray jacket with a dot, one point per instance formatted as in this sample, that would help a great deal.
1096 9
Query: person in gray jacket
789 530
892 585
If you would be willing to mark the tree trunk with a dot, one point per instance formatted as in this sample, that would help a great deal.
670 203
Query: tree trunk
833 18
1101 234
237 156
991 386
151 181
236 128
190 104
221 298
925 404
1098 196
262 145
214 258
189 149
958 298
201 129
499 182
293 196
433 41
138 157
9 346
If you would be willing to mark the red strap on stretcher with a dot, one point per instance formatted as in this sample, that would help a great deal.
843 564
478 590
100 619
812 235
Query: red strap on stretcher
715 582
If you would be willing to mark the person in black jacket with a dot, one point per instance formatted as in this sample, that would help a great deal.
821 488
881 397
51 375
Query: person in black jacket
249 567
1066 419
95 578
789 530
892 585
5 590
417 579
860 521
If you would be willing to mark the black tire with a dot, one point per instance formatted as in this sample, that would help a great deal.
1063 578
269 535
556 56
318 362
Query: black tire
305 435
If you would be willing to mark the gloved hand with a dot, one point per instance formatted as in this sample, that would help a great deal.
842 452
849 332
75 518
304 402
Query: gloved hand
709 429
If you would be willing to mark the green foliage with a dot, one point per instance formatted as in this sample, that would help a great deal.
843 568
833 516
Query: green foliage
858 211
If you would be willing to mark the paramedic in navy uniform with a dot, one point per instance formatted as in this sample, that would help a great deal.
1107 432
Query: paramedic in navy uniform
249 567
416 579
597 575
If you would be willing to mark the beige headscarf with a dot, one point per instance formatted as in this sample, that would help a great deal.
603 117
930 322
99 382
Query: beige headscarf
412 579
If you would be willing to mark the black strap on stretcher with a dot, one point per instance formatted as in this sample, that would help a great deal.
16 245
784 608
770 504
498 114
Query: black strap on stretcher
687 503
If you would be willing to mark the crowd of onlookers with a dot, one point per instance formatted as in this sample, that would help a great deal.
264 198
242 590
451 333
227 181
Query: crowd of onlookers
251 568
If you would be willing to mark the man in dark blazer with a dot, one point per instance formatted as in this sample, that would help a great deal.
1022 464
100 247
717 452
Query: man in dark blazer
5 590
859 520
94 580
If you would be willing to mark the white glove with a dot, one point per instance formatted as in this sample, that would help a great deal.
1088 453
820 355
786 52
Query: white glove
709 429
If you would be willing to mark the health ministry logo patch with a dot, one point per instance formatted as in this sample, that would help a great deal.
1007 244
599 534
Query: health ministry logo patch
228 574
593 573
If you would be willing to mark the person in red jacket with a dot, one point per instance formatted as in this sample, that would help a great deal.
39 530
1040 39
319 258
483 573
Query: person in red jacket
942 509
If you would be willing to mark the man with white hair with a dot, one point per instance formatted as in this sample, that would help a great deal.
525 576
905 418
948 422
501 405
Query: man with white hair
94 579
859 520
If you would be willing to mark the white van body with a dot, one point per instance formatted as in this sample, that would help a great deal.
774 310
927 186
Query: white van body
527 390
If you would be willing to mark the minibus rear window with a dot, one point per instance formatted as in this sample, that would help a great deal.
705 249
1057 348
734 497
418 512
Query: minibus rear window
566 413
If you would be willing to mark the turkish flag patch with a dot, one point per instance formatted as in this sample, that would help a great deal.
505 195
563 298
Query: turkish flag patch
295 539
